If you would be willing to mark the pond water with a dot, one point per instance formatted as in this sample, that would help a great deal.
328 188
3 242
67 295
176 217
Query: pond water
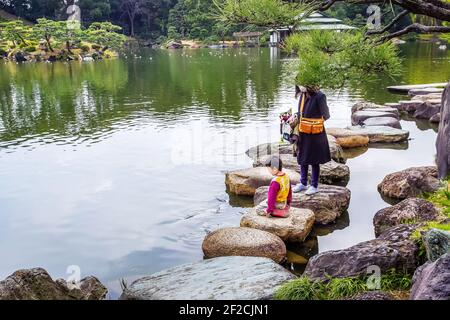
117 167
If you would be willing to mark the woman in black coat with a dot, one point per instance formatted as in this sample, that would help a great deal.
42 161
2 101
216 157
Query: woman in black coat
313 149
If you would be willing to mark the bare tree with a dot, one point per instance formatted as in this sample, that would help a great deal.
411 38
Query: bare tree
132 8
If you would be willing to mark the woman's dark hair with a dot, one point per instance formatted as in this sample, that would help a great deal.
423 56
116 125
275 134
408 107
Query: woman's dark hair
311 90
274 162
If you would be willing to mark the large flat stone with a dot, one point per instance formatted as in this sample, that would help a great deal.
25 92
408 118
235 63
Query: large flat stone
294 228
327 205
360 116
382 121
243 242
409 183
424 91
246 181
330 173
348 139
223 278
277 148
382 134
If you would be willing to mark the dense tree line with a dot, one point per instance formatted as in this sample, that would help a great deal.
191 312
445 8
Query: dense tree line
159 19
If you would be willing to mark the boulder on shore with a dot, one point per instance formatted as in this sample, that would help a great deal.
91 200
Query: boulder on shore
443 138
431 281
294 228
243 242
223 278
412 209
36 284
409 183
426 111
359 117
382 121
381 134
437 243
394 249
327 205
348 139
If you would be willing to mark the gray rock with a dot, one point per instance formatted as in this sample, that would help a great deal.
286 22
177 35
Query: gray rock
383 121
443 138
437 243
243 242
426 111
36 284
431 281
294 228
394 249
382 134
360 116
436 118
412 209
409 183
409 106
224 278
327 205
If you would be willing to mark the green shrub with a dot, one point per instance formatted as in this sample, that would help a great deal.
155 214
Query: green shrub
30 49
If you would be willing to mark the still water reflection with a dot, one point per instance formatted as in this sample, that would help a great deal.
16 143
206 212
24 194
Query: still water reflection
118 166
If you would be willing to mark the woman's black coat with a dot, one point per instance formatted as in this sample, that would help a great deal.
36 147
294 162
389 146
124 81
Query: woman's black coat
314 148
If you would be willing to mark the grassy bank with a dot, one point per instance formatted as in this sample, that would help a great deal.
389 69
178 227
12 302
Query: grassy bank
303 288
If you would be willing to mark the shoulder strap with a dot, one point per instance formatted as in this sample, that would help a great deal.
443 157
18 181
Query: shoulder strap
302 103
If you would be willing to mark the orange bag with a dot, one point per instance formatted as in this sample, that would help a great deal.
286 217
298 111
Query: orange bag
310 125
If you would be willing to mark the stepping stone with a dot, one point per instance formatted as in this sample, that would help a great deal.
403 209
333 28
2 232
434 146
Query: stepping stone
383 134
330 173
294 228
424 91
223 278
327 205
368 106
435 97
277 148
360 116
409 183
383 121
243 242
347 138
412 209
407 88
